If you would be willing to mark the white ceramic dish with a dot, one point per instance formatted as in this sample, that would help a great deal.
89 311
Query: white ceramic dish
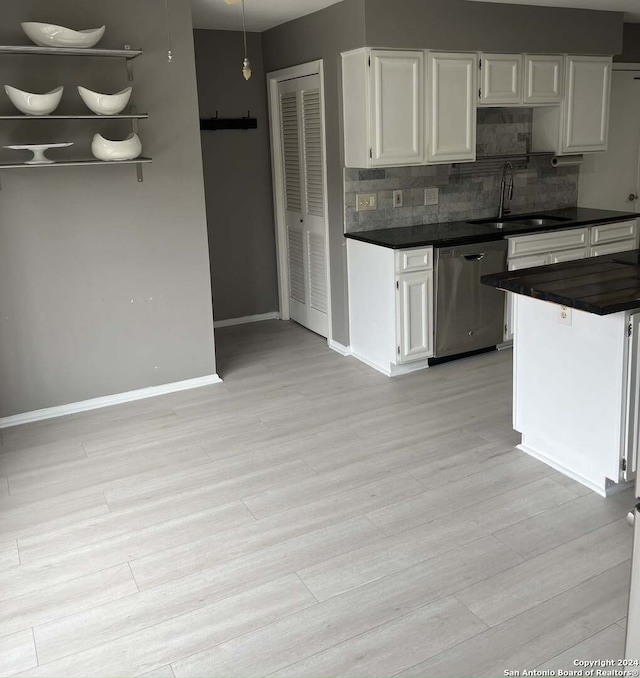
50 35
38 150
34 104
105 104
112 151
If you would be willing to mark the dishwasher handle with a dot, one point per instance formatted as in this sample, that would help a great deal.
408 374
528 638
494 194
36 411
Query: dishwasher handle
474 257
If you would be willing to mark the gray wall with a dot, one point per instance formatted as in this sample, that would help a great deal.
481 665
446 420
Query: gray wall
324 35
237 174
631 44
104 282
461 25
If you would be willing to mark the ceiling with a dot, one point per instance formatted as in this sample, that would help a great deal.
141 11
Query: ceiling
261 14
631 8
265 14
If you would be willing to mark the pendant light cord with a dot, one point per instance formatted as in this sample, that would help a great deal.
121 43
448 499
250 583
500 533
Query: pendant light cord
244 29
169 45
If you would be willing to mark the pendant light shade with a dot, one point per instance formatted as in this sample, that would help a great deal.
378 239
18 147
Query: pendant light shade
246 68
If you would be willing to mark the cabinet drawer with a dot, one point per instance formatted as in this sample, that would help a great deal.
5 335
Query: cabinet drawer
548 242
623 230
417 259
613 247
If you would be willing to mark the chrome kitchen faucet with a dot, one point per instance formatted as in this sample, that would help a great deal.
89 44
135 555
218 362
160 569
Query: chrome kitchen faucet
508 167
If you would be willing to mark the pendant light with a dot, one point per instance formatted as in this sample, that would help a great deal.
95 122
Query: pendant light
246 64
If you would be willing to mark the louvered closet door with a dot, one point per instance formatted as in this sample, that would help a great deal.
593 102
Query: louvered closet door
304 198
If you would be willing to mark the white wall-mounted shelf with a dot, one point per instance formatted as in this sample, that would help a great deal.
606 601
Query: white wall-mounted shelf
138 162
70 51
128 54
88 116
73 163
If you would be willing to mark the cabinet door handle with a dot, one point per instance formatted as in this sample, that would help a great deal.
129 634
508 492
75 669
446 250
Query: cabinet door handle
474 257
631 518
632 197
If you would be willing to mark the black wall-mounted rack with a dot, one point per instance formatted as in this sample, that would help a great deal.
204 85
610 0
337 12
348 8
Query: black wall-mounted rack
211 124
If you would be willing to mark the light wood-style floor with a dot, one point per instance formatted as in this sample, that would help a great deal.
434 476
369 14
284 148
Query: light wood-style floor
308 517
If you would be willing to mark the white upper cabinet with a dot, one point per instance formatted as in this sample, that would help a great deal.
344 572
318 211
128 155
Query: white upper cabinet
586 114
542 79
581 123
451 107
500 79
383 94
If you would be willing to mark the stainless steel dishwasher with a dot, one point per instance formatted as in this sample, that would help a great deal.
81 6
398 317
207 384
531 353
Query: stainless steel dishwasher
469 315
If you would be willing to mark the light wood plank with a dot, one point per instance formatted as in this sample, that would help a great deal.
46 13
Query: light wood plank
539 634
335 621
160 672
185 560
100 555
39 457
604 645
450 498
394 646
178 597
49 604
383 557
136 532
180 637
548 530
550 574
17 653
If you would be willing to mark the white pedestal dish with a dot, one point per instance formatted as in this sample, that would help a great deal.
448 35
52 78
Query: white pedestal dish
38 151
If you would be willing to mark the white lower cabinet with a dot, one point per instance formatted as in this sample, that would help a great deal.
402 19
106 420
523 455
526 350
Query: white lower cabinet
577 391
390 306
415 316
542 249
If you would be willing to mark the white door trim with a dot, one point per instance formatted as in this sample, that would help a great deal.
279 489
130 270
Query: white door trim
277 170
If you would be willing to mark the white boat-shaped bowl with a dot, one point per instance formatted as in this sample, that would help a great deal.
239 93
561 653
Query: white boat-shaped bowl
105 149
105 104
50 35
34 104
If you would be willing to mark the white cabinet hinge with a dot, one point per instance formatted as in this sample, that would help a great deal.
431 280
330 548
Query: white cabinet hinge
480 64
397 284
398 350
624 464
479 94
629 329
371 152
369 62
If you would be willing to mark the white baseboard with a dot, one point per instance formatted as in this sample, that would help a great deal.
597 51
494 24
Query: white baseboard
339 348
602 491
106 401
392 370
247 319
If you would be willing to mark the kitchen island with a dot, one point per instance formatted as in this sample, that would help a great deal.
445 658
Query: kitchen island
576 366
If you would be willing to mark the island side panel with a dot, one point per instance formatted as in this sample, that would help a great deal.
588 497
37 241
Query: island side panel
569 389
372 307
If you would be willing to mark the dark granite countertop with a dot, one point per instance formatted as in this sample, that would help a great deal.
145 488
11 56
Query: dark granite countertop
600 285
461 233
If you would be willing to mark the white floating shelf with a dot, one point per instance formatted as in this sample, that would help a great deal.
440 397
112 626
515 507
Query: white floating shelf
70 51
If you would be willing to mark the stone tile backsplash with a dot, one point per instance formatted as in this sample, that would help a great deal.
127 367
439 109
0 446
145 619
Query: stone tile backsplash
467 190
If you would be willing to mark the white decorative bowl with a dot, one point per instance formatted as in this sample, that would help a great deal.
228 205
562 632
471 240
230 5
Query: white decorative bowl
50 35
105 104
107 150
34 104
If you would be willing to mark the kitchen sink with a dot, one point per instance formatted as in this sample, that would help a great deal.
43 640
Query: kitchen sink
524 220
